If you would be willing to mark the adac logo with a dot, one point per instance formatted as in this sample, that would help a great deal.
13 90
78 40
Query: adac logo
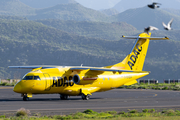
134 57
62 82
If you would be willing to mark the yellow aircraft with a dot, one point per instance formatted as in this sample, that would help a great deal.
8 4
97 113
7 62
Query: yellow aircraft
83 81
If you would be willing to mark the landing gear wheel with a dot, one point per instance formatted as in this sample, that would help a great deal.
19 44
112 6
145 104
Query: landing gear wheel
85 97
25 98
63 97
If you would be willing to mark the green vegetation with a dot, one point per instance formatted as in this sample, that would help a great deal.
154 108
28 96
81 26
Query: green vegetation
110 12
157 86
15 7
7 84
73 11
89 114
22 112
109 31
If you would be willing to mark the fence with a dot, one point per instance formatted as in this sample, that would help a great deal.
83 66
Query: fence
149 81
171 81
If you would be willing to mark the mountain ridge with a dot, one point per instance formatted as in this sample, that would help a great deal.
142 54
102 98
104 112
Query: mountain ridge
15 7
124 5
150 17
39 4
73 11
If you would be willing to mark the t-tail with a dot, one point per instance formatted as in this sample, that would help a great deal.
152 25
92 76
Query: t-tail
135 59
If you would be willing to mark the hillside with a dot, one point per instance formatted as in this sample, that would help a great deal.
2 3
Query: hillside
31 43
144 17
93 4
124 5
98 4
15 7
70 12
12 17
45 3
109 12
173 34
109 31
173 11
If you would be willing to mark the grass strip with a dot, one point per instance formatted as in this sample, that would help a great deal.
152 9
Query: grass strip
145 114
157 86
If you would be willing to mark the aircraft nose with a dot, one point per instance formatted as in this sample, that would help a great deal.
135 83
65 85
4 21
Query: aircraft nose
17 88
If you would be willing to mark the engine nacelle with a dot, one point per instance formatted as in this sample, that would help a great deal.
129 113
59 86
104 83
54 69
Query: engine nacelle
77 79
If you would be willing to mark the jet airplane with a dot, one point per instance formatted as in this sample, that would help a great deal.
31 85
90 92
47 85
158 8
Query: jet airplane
83 81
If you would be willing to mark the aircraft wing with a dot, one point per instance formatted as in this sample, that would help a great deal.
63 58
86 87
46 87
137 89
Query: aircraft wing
95 71
30 67
92 69
106 70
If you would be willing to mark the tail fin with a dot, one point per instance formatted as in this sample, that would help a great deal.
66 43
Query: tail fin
135 59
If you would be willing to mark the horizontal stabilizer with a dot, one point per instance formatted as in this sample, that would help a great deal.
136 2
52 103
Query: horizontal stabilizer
151 38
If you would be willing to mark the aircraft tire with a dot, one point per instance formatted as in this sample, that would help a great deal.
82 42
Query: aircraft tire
85 97
25 98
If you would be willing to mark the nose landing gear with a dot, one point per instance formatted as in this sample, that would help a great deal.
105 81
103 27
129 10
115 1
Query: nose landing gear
25 98
63 97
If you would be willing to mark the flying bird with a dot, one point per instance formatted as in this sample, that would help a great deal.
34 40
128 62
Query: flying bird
150 28
154 5
168 26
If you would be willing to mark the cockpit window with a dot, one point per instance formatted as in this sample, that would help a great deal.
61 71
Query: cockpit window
37 78
31 78
28 78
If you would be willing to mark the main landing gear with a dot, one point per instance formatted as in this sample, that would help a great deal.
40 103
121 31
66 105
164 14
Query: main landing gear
85 97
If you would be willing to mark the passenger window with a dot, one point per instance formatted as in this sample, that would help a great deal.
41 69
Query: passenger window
37 78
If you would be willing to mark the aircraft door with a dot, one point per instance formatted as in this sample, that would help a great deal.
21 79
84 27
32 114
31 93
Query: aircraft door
47 82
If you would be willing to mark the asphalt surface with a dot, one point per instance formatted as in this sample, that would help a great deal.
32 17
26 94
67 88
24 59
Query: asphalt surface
117 99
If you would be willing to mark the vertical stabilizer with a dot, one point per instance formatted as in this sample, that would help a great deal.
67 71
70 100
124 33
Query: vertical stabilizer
135 59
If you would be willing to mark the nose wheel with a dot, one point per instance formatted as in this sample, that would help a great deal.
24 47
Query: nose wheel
25 98
85 97
63 97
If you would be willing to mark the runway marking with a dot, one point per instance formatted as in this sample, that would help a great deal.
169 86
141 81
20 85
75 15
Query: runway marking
6 87
154 95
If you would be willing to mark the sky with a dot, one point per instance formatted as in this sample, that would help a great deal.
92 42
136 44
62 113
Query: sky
97 4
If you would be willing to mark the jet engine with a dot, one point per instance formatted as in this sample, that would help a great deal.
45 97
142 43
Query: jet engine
79 80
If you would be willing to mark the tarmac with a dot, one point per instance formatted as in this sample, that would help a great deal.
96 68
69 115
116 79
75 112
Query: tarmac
117 99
